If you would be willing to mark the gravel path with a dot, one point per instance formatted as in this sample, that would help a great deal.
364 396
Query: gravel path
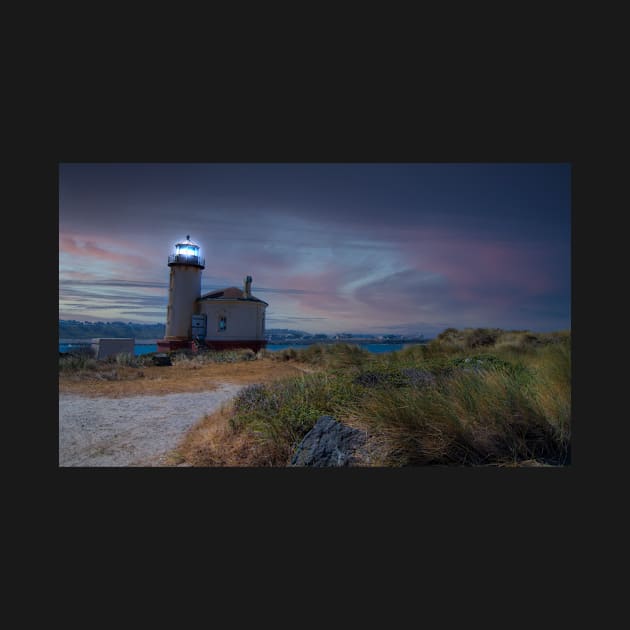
131 431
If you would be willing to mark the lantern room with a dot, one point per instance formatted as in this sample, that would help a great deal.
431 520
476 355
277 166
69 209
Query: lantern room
186 253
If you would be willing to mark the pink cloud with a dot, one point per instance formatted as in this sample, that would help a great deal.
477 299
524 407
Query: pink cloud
105 251
470 265
76 275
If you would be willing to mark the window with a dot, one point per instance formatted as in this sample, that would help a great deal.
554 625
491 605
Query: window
222 324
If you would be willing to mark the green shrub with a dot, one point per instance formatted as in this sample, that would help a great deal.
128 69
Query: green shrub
192 360
127 359
449 334
482 337
333 356
76 363
279 414
286 354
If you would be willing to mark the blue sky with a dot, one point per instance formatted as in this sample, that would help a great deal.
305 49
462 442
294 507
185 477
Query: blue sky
331 247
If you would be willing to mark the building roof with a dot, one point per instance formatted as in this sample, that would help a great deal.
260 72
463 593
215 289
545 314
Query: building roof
187 242
231 293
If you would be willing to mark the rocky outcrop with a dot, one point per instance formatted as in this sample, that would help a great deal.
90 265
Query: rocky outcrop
329 443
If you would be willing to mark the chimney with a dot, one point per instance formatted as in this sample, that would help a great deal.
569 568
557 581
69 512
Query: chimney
247 287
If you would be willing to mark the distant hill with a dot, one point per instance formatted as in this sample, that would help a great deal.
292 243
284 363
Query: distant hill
72 329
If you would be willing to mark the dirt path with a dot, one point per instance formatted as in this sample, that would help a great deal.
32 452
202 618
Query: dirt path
131 430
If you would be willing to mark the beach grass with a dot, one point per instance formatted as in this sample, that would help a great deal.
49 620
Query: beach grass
470 397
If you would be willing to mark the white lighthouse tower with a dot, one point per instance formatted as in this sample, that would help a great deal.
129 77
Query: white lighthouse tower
183 290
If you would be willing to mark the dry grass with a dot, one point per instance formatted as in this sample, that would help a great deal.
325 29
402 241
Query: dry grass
117 381
212 442
262 424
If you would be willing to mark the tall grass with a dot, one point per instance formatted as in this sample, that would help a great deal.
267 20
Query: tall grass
193 361
471 397
329 356
278 415
501 413
127 359
77 363
84 364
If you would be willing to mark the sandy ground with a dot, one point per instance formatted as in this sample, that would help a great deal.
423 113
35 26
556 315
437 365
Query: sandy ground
138 417
131 430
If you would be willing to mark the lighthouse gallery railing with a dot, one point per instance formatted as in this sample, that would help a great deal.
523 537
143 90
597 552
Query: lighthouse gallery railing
190 260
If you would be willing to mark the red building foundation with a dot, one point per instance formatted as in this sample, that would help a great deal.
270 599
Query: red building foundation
171 345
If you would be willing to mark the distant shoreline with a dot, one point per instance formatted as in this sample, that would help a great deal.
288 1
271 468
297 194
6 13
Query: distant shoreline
293 342
310 342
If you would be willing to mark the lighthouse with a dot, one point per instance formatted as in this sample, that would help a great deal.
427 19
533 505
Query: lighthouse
184 288
219 320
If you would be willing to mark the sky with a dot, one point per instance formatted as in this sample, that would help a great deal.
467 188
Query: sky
398 248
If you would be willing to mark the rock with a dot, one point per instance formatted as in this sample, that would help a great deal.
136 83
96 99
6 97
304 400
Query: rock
161 359
329 443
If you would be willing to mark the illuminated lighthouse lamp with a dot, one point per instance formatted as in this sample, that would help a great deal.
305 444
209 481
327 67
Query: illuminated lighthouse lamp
186 252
